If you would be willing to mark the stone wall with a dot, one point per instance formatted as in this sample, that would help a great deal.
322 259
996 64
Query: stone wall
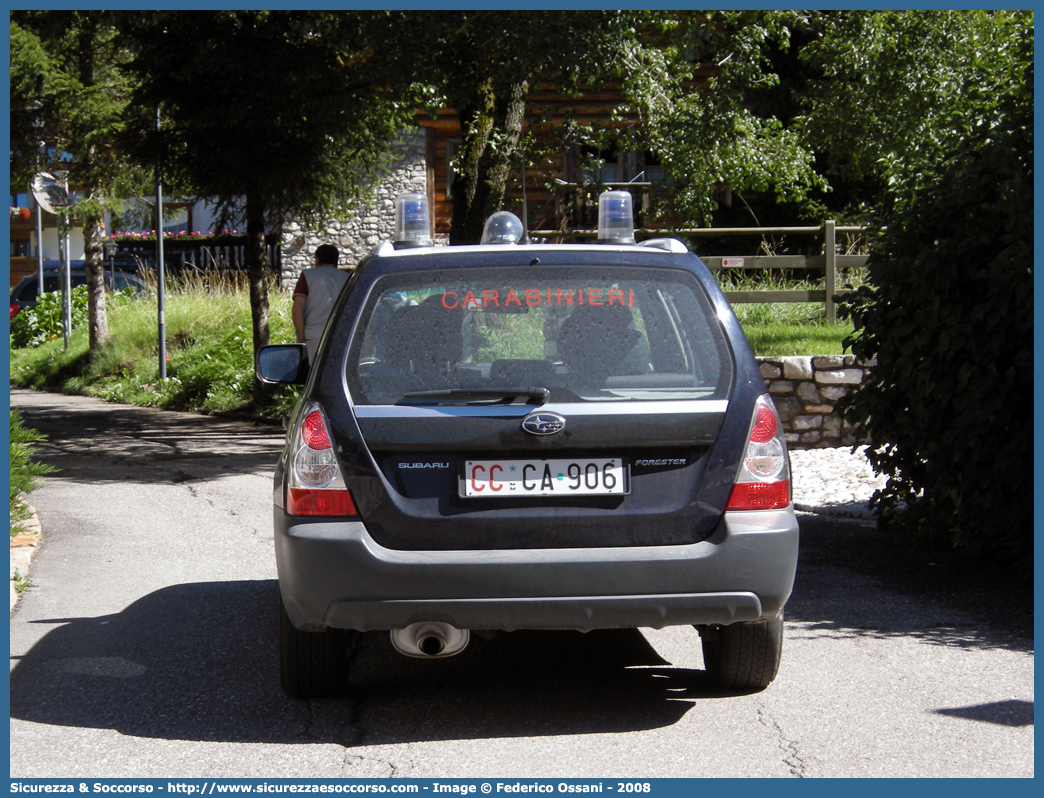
805 391
369 224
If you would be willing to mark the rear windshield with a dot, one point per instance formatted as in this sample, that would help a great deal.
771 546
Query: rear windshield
583 334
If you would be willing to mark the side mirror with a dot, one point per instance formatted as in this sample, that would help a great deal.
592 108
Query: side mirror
282 364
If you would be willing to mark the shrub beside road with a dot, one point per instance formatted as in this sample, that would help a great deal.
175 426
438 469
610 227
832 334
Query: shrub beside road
210 364
24 470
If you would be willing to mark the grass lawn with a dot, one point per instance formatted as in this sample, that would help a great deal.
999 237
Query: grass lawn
783 329
784 338
209 343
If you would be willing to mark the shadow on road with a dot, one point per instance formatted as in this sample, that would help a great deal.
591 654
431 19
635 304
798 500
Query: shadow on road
852 582
91 441
198 662
1001 713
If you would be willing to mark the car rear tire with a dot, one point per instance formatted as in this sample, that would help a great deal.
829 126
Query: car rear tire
312 664
743 656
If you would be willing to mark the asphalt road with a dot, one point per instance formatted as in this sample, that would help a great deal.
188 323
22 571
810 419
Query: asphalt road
148 649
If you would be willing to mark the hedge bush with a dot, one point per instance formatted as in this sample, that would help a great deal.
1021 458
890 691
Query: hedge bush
949 406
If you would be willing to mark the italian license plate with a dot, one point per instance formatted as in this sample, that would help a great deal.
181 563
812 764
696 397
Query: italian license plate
490 479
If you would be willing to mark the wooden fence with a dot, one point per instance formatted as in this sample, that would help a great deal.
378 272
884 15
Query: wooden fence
830 261
190 256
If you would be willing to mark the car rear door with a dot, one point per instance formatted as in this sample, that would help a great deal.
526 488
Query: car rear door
540 404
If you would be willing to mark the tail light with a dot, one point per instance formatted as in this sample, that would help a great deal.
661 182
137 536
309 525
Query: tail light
763 481
14 309
314 484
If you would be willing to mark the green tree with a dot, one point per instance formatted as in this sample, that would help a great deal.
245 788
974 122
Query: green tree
483 64
67 89
879 91
807 113
707 93
270 113
949 405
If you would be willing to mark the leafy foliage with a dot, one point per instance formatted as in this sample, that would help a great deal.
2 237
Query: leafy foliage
949 405
483 64
24 470
698 89
268 112
881 94
210 362
278 105
43 322
68 90
806 113
518 336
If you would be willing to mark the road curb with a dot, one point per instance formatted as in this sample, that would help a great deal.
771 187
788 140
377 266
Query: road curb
853 511
23 548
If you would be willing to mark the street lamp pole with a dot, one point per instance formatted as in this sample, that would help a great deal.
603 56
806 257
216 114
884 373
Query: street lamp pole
159 265
39 250
66 264
51 194
36 107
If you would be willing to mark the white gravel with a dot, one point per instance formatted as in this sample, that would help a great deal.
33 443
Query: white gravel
834 481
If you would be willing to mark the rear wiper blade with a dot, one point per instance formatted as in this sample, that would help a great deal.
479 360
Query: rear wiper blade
505 396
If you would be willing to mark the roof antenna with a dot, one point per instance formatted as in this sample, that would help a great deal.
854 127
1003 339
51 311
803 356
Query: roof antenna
525 210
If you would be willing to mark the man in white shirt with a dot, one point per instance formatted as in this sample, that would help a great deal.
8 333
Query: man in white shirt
314 296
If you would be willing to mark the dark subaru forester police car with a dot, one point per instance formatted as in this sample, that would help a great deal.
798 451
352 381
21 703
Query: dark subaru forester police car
517 436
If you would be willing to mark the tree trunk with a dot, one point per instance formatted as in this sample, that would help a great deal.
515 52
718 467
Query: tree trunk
492 129
93 230
257 273
94 259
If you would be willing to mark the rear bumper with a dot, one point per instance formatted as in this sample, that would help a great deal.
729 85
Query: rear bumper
334 574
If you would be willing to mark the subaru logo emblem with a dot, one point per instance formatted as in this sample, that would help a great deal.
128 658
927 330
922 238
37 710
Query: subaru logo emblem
543 423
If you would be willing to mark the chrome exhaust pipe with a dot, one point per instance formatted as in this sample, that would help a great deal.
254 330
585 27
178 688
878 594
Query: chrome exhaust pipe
430 639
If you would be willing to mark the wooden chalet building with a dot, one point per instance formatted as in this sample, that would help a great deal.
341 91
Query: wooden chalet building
558 191
561 192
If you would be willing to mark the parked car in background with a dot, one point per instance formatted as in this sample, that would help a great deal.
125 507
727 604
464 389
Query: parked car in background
529 436
25 293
